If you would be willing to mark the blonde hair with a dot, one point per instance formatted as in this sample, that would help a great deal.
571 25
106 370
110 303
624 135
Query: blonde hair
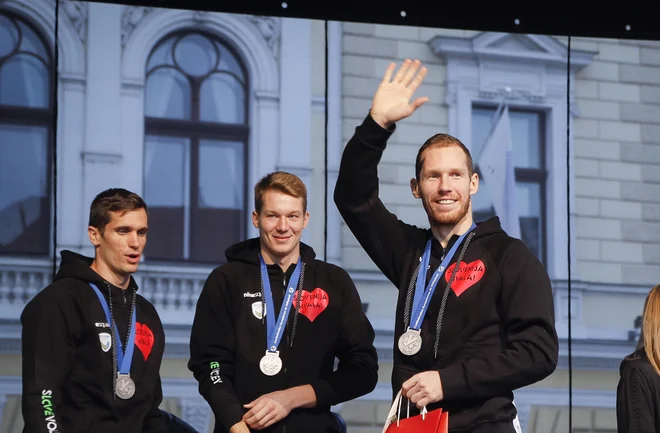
283 182
650 336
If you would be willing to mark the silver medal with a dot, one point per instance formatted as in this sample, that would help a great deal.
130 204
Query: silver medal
410 342
270 364
125 387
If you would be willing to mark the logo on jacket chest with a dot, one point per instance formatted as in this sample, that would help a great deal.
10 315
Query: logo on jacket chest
144 340
312 303
106 341
467 275
258 309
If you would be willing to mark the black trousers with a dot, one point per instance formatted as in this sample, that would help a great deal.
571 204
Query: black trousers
494 427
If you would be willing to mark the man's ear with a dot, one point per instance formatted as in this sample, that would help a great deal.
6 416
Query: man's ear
414 187
94 236
305 220
255 219
474 184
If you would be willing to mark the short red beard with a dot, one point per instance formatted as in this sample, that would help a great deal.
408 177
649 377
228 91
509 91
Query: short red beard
447 218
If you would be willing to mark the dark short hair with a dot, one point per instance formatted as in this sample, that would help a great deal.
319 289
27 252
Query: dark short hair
113 200
442 140
279 181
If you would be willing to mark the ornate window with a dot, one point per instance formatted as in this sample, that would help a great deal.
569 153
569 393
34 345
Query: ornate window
528 72
195 160
26 118
528 137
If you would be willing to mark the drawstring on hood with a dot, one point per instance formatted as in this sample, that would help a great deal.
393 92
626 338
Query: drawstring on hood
114 332
78 266
411 290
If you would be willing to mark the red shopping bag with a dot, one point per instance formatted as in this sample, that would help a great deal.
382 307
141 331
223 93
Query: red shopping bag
435 421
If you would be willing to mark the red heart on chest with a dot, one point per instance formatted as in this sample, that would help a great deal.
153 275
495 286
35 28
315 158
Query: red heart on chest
312 303
144 339
467 275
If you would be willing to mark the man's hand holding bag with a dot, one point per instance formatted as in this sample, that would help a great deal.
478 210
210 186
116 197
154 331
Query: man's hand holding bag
435 421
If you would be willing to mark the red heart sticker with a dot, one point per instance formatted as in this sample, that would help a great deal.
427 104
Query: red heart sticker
312 304
467 275
144 339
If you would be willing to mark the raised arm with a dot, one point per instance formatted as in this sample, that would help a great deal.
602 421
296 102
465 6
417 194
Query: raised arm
356 195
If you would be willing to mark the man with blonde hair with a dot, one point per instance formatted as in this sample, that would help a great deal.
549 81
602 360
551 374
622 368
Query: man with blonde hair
270 323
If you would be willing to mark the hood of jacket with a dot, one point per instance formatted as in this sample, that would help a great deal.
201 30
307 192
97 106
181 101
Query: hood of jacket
248 252
78 266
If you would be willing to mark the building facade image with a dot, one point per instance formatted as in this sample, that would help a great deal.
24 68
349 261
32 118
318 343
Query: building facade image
190 109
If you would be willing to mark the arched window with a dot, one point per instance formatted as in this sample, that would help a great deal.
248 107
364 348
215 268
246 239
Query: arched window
25 138
195 155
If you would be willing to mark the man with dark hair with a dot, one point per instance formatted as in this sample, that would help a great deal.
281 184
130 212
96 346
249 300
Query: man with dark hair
489 329
92 347
271 322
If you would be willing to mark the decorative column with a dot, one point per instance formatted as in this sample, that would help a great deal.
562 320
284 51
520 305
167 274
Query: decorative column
72 213
102 152
196 412
3 402
523 417
295 154
335 139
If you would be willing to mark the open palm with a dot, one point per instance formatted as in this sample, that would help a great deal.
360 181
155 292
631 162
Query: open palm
391 102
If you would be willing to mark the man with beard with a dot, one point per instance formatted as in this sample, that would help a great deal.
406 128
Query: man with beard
489 328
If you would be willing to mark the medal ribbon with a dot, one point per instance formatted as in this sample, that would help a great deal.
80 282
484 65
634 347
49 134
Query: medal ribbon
123 361
275 331
422 297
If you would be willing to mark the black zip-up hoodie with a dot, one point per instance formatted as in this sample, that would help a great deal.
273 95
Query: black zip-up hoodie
497 333
67 362
229 338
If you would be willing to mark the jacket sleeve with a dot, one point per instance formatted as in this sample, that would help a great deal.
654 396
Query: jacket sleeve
357 372
155 421
49 334
527 316
635 403
380 233
212 351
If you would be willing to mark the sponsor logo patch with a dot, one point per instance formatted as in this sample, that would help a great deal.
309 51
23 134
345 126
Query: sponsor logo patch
106 341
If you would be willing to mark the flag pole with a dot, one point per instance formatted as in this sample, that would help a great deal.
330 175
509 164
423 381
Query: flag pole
498 113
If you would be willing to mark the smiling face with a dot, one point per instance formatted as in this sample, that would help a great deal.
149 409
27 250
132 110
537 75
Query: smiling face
119 245
445 185
280 221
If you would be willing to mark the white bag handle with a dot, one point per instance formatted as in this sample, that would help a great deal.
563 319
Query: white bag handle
395 412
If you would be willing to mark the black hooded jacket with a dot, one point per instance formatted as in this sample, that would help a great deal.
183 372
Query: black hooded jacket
497 332
229 338
638 395
67 361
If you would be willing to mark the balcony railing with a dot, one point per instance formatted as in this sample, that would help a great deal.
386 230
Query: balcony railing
173 290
